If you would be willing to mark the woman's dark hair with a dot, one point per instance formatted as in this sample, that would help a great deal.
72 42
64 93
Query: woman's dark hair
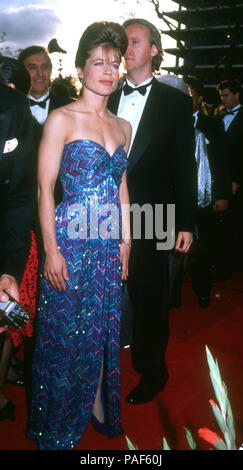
155 38
11 71
104 33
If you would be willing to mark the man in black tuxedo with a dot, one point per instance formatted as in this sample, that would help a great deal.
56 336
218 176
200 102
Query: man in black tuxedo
42 101
17 187
17 183
232 119
214 190
161 171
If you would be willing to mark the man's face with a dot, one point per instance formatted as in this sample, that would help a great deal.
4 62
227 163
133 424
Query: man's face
229 99
139 54
39 68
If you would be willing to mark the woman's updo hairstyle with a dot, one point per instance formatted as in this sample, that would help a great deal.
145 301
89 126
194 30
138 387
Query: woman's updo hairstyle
104 33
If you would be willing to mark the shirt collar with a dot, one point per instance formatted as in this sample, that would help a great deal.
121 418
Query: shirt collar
236 108
140 84
42 98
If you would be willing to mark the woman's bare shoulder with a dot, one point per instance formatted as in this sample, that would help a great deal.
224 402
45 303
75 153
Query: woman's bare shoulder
126 126
60 118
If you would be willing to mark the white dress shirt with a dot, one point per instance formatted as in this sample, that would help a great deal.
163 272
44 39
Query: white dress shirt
131 106
39 113
228 118
195 115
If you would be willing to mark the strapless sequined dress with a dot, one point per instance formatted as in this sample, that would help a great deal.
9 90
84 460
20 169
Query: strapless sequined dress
79 327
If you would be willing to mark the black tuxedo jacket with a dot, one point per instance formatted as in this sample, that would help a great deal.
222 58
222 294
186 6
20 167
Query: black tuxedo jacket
234 146
17 181
217 156
162 166
161 170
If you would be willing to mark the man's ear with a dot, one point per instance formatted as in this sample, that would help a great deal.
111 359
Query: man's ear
154 50
12 85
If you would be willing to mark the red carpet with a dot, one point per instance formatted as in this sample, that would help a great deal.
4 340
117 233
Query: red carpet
184 402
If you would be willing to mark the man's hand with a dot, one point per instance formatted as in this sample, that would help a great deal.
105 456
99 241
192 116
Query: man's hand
184 241
3 328
9 284
221 205
235 187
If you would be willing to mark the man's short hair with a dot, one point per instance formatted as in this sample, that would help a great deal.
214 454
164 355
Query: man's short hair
155 38
31 50
234 85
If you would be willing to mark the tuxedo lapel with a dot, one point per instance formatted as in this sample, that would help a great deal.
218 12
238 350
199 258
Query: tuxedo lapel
147 126
152 117
51 103
236 121
113 101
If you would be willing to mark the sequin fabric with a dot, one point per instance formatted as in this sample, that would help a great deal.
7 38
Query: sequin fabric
203 170
79 326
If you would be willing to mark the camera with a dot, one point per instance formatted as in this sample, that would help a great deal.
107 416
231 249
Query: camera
12 313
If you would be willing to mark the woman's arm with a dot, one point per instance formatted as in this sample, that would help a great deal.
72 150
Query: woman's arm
125 208
50 151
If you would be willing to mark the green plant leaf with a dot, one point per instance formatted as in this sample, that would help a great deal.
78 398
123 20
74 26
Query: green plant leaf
165 444
191 442
219 418
230 421
223 416
220 388
220 445
130 444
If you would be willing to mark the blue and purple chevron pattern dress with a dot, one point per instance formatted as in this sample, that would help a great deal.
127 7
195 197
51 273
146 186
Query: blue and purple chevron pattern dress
78 327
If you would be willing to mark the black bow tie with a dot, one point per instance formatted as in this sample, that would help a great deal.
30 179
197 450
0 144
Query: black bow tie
141 89
42 103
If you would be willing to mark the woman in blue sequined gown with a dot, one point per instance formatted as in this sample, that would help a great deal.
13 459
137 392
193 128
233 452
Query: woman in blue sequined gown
76 371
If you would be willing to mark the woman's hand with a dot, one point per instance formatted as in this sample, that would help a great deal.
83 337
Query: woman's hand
125 248
55 270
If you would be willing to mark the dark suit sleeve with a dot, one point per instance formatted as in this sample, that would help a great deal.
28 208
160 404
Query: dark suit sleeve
20 198
184 166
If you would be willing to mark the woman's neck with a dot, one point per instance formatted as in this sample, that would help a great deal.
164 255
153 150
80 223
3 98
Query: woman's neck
94 102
